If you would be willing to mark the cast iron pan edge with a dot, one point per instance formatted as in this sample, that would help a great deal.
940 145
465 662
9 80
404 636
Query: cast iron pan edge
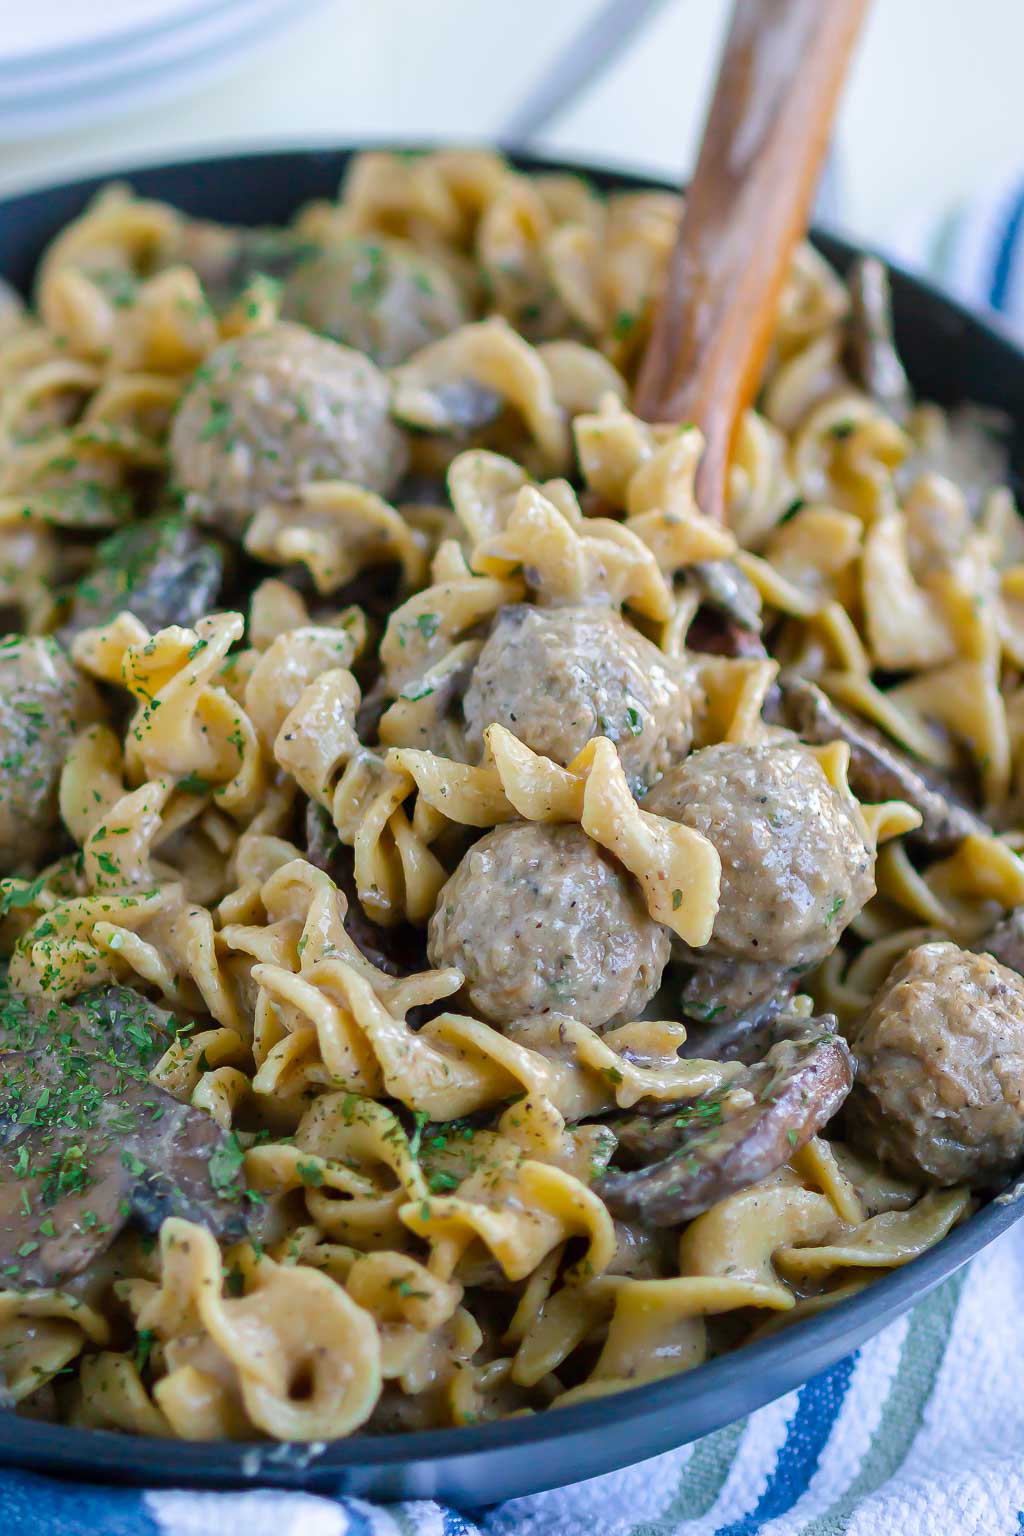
951 355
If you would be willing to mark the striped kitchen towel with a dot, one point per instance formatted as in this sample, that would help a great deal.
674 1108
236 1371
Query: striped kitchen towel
973 250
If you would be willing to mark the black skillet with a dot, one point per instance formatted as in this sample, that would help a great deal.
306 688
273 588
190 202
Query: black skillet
951 356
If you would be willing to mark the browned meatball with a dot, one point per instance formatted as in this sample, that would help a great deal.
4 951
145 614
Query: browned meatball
539 920
556 677
274 410
796 864
43 702
380 296
939 1094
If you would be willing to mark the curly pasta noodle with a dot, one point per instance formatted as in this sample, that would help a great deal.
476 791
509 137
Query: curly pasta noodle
407 826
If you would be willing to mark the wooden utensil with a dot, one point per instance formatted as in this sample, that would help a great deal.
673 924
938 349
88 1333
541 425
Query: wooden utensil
764 142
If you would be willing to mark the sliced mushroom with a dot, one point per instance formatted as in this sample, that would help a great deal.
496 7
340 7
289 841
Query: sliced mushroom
731 1007
1005 943
398 951
727 1140
728 622
44 703
723 586
870 352
89 1144
454 405
879 770
712 634
161 570
228 257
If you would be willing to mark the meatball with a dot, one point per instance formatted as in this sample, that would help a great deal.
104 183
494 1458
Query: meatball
43 702
796 864
939 1094
539 920
276 409
556 677
380 296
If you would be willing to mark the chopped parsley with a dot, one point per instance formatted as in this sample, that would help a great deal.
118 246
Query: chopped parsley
311 1174
226 1166
218 422
416 691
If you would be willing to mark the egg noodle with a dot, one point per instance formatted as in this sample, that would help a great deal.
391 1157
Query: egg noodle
260 802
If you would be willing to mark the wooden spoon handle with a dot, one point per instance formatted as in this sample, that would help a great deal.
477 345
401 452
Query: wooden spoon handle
764 142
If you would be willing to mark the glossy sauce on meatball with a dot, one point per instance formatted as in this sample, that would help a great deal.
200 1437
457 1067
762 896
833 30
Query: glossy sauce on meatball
380 296
557 677
939 1094
539 920
796 862
273 411
43 702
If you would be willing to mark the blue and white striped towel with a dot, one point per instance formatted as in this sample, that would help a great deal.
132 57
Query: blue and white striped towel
920 1433
975 251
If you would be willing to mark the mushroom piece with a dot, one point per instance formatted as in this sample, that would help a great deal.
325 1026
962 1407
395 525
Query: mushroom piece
879 770
723 586
160 570
397 951
89 1144
44 701
727 1140
228 257
457 406
870 352
1005 942
728 622
459 384
732 1005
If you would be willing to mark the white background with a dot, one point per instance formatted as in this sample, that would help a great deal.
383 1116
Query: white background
934 110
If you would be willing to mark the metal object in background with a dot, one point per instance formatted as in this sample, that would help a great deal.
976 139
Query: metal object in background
588 55
584 59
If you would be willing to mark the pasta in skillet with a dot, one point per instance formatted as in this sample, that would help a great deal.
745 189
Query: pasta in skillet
477 933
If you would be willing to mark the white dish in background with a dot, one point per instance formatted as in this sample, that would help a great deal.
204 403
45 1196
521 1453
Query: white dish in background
216 27
107 81
45 30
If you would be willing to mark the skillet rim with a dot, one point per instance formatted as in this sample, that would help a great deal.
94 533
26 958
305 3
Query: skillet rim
480 1464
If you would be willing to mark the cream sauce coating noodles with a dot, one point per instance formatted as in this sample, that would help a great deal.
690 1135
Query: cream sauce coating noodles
477 934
